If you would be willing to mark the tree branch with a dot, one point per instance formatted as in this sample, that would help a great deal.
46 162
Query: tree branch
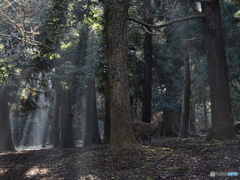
236 89
166 34
196 38
166 24
173 7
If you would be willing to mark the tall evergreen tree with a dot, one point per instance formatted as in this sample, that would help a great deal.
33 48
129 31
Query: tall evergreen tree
186 94
146 9
6 142
221 110
116 37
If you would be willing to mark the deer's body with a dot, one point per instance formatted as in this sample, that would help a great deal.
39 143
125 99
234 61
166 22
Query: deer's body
141 129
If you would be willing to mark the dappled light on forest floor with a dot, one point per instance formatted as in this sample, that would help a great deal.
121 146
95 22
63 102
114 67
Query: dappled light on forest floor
166 159
36 171
88 177
3 171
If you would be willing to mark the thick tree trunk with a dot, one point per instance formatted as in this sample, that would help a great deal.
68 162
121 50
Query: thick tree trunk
222 124
66 120
171 119
92 136
168 129
147 50
6 142
116 37
186 96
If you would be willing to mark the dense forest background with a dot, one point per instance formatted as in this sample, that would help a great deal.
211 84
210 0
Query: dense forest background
83 71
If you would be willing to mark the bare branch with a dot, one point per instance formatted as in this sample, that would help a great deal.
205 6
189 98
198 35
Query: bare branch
18 16
236 89
193 39
172 8
149 32
166 34
167 24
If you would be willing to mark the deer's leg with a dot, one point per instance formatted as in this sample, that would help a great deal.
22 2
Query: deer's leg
149 139
137 137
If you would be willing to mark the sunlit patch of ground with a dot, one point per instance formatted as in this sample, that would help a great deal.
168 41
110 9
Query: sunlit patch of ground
3 171
89 177
34 171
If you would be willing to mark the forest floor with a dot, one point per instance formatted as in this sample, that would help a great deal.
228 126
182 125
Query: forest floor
166 159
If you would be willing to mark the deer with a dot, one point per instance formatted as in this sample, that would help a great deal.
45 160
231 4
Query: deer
141 129
236 127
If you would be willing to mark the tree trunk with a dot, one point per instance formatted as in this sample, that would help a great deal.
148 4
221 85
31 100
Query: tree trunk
222 124
171 118
186 95
16 127
92 136
147 51
168 129
66 120
55 121
116 37
107 114
192 118
205 113
6 142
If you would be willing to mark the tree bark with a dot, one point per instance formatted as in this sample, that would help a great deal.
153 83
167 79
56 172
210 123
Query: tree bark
192 126
116 37
186 95
55 121
168 129
222 123
92 136
6 142
66 120
171 118
107 114
147 51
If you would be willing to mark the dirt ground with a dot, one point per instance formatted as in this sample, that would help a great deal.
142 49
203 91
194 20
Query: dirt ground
165 159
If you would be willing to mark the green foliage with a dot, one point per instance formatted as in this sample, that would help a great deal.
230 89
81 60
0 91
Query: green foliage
29 100
231 21
5 69
55 23
200 89
237 14
168 76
